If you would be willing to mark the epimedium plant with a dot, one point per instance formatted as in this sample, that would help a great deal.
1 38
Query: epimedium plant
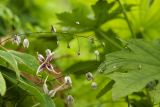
14 58
132 66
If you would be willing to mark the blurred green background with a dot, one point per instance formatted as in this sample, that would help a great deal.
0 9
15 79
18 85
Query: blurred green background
22 16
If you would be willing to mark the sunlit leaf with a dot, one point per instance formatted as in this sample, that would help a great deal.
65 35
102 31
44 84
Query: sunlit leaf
9 58
25 59
3 85
137 65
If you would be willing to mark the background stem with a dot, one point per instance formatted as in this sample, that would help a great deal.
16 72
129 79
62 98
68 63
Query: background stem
126 18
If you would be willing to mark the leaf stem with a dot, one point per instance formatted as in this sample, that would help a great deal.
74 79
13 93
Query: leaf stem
127 98
109 39
126 18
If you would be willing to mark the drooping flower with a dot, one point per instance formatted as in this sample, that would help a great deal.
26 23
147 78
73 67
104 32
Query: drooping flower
45 87
45 62
89 76
70 99
16 39
25 43
94 85
51 93
67 80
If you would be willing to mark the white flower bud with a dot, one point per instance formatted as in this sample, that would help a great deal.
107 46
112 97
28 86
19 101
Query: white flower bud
67 80
48 52
40 57
94 85
70 100
89 76
45 87
96 52
25 43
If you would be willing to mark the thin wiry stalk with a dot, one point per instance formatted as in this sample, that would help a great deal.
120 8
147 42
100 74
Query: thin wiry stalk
126 18
78 52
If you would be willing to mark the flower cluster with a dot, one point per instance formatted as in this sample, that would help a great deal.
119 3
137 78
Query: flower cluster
45 63
89 77
17 40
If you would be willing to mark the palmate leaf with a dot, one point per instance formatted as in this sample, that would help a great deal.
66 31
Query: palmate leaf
133 67
44 100
103 10
144 19
69 19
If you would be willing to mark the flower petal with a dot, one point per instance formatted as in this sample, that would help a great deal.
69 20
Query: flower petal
40 68
45 88
41 58
52 93
50 68
48 52
49 57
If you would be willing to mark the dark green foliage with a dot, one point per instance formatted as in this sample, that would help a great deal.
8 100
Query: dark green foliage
83 67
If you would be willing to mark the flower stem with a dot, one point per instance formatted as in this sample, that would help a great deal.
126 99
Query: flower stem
5 40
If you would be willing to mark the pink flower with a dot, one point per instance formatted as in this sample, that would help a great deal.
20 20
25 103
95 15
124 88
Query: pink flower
45 62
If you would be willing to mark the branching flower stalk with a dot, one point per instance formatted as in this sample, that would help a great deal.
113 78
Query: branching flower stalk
45 63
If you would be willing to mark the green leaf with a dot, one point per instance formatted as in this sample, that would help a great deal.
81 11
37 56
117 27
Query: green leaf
9 58
43 99
25 59
107 87
137 65
83 67
105 11
3 85
110 38
101 10
155 94
78 14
